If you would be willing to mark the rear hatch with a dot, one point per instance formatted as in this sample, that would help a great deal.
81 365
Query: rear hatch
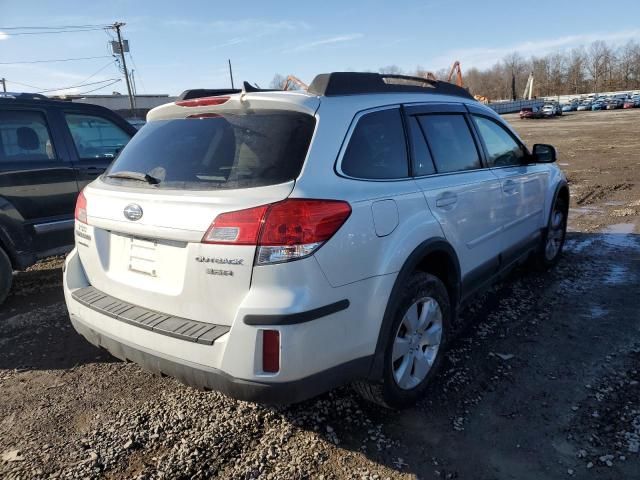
148 215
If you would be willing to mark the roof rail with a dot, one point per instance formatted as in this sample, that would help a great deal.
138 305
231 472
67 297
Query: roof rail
23 96
354 83
206 92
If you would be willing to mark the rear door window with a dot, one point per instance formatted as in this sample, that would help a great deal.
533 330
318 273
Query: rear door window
96 137
219 151
452 146
377 148
24 137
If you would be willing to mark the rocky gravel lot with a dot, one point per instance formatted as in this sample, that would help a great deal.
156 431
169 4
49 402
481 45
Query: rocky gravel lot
542 382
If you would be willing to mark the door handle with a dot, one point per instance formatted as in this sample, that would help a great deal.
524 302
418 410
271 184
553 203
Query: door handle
94 171
510 187
446 199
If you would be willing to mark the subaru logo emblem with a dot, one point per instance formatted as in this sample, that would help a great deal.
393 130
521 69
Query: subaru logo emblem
133 212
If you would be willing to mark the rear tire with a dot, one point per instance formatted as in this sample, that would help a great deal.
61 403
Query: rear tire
414 350
552 241
6 275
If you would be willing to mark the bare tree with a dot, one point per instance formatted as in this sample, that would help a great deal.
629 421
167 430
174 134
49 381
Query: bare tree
278 81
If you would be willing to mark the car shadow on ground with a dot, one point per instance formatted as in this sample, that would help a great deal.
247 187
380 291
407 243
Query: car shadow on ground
516 366
35 331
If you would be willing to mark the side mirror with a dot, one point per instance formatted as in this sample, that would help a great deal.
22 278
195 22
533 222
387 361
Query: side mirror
543 153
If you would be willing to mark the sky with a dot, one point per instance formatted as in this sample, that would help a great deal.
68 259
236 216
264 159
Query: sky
176 45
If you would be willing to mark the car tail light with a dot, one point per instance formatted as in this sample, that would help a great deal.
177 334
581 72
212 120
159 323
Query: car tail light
283 231
81 208
202 102
270 351
236 228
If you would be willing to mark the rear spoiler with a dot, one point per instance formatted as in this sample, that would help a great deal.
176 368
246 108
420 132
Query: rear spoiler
207 92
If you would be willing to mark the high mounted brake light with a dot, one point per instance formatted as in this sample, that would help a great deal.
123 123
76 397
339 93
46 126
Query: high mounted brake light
202 102
283 231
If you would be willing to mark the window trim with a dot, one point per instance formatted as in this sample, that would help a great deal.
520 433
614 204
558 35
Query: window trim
345 143
58 158
508 131
472 131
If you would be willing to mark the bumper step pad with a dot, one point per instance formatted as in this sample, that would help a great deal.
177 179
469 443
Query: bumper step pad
182 328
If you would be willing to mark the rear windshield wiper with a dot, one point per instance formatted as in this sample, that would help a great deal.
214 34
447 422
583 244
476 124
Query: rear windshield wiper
141 177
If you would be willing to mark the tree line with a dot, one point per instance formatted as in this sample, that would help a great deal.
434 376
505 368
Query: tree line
598 67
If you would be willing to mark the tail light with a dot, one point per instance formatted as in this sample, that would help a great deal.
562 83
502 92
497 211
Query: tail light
202 102
283 231
81 208
270 351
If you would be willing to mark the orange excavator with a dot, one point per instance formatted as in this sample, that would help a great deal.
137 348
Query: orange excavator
293 80
457 70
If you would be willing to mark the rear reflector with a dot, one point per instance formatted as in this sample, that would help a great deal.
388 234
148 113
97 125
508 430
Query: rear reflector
270 351
283 231
202 102
81 208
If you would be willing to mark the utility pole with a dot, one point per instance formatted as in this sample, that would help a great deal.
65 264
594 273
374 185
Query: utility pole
4 84
116 27
231 73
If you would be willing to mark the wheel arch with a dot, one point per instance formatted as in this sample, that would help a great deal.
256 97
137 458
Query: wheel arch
435 256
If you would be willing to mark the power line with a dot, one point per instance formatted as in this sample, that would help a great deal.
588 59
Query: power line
59 27
99 88
97 72
76 86
49 32
24 84
54 60
138 70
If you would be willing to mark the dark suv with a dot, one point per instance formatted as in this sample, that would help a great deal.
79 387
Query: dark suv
49 150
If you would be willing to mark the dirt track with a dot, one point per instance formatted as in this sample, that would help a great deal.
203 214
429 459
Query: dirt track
542 383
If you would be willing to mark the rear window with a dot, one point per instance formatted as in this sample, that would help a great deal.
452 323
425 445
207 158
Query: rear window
224 151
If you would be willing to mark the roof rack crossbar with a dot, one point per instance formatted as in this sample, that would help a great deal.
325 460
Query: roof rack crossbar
354 83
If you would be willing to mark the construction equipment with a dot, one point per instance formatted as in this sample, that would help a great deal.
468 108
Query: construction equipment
293 80
528 89
455 68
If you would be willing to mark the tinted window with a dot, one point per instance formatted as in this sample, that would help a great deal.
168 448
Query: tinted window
502 149
24 136
228 150
422 161
377 147
451 143
96 137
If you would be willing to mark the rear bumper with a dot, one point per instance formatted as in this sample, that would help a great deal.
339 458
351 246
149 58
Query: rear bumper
313 358
207 378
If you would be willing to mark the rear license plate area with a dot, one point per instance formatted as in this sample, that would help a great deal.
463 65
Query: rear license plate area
142 256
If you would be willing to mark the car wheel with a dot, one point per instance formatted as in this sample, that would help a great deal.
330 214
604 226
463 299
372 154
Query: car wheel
553 240
6 275
414 350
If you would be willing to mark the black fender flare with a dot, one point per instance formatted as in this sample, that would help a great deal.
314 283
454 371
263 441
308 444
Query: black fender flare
561 184
437 244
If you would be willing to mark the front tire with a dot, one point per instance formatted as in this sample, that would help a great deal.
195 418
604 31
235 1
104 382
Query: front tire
554 237
6 275
414 350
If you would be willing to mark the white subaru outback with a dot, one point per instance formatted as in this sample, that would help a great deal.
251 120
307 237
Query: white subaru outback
274 245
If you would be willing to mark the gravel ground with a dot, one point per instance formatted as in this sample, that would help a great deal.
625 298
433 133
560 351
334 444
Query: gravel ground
542 382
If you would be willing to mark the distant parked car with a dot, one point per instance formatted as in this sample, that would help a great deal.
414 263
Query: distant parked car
551 110
568 107
629 103
598 105
585 106
530 112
